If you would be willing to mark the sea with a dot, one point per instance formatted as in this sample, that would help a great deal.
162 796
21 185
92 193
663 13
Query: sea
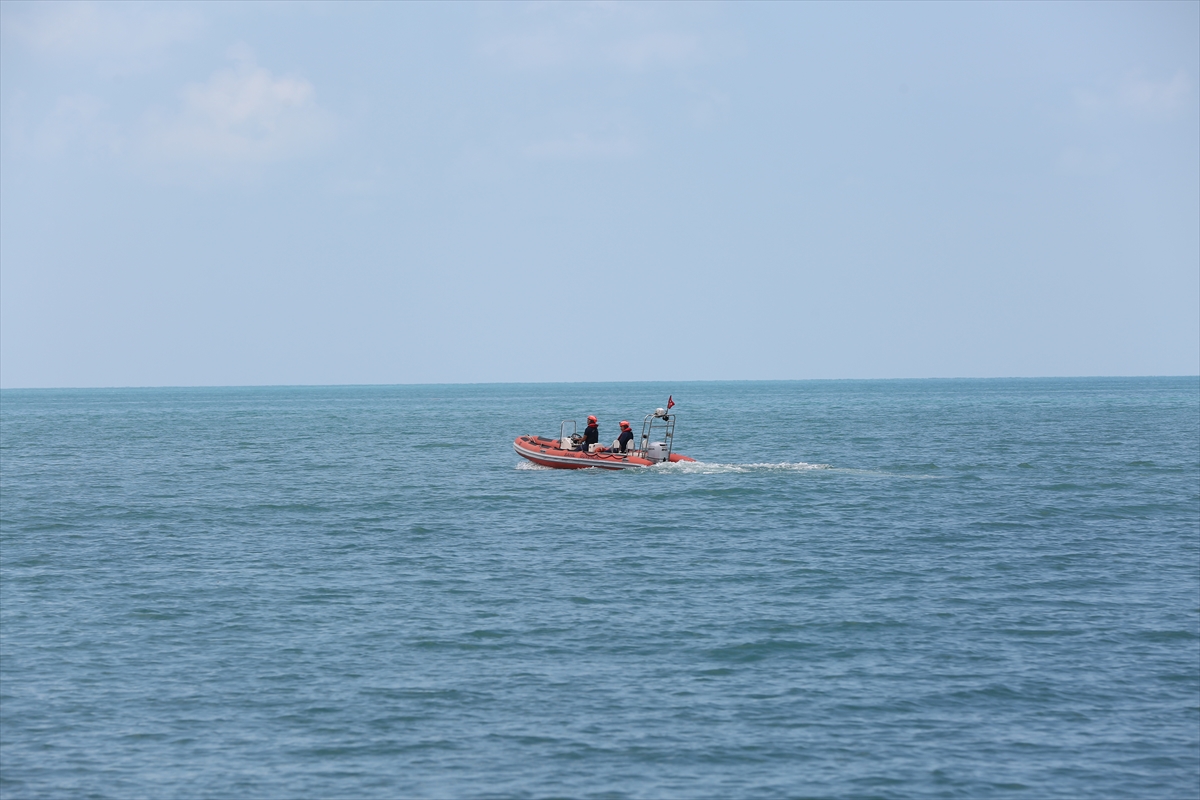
860 589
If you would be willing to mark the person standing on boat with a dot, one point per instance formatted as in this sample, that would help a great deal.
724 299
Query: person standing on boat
626 436
591 434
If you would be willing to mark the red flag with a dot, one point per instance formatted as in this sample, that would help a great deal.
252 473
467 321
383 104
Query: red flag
670 402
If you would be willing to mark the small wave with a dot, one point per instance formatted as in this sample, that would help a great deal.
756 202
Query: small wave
529 465
711 468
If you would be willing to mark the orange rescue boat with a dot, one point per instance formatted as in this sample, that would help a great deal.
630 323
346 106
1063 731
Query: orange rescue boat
565 452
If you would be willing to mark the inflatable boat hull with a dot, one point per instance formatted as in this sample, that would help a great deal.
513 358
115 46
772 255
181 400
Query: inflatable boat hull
546 452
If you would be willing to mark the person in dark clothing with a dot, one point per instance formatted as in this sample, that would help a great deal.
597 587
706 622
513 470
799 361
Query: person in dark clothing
625 438
591 434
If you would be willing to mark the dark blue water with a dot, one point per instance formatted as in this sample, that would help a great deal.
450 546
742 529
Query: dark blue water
865 589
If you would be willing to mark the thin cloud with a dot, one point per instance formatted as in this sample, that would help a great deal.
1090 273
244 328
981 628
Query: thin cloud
243 114
591 35
1155 96
115 38
551 48
1139 96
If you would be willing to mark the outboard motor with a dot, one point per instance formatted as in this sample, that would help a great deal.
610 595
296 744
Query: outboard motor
657 451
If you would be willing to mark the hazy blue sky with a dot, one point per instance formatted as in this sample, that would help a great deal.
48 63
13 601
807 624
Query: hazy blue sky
395 193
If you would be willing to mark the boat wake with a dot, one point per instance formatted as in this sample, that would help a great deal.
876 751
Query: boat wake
711 468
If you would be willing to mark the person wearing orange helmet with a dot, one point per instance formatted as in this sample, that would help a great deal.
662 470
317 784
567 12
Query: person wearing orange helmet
591 434
626 436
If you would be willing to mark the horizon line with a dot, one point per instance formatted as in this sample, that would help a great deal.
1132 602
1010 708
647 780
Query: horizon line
579 383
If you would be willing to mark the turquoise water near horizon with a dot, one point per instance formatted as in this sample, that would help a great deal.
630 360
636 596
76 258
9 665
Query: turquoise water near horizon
891 589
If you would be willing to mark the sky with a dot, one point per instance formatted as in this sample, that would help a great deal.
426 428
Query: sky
382 193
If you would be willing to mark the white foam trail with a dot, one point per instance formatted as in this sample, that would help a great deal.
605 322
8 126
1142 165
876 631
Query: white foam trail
709 468
712 468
